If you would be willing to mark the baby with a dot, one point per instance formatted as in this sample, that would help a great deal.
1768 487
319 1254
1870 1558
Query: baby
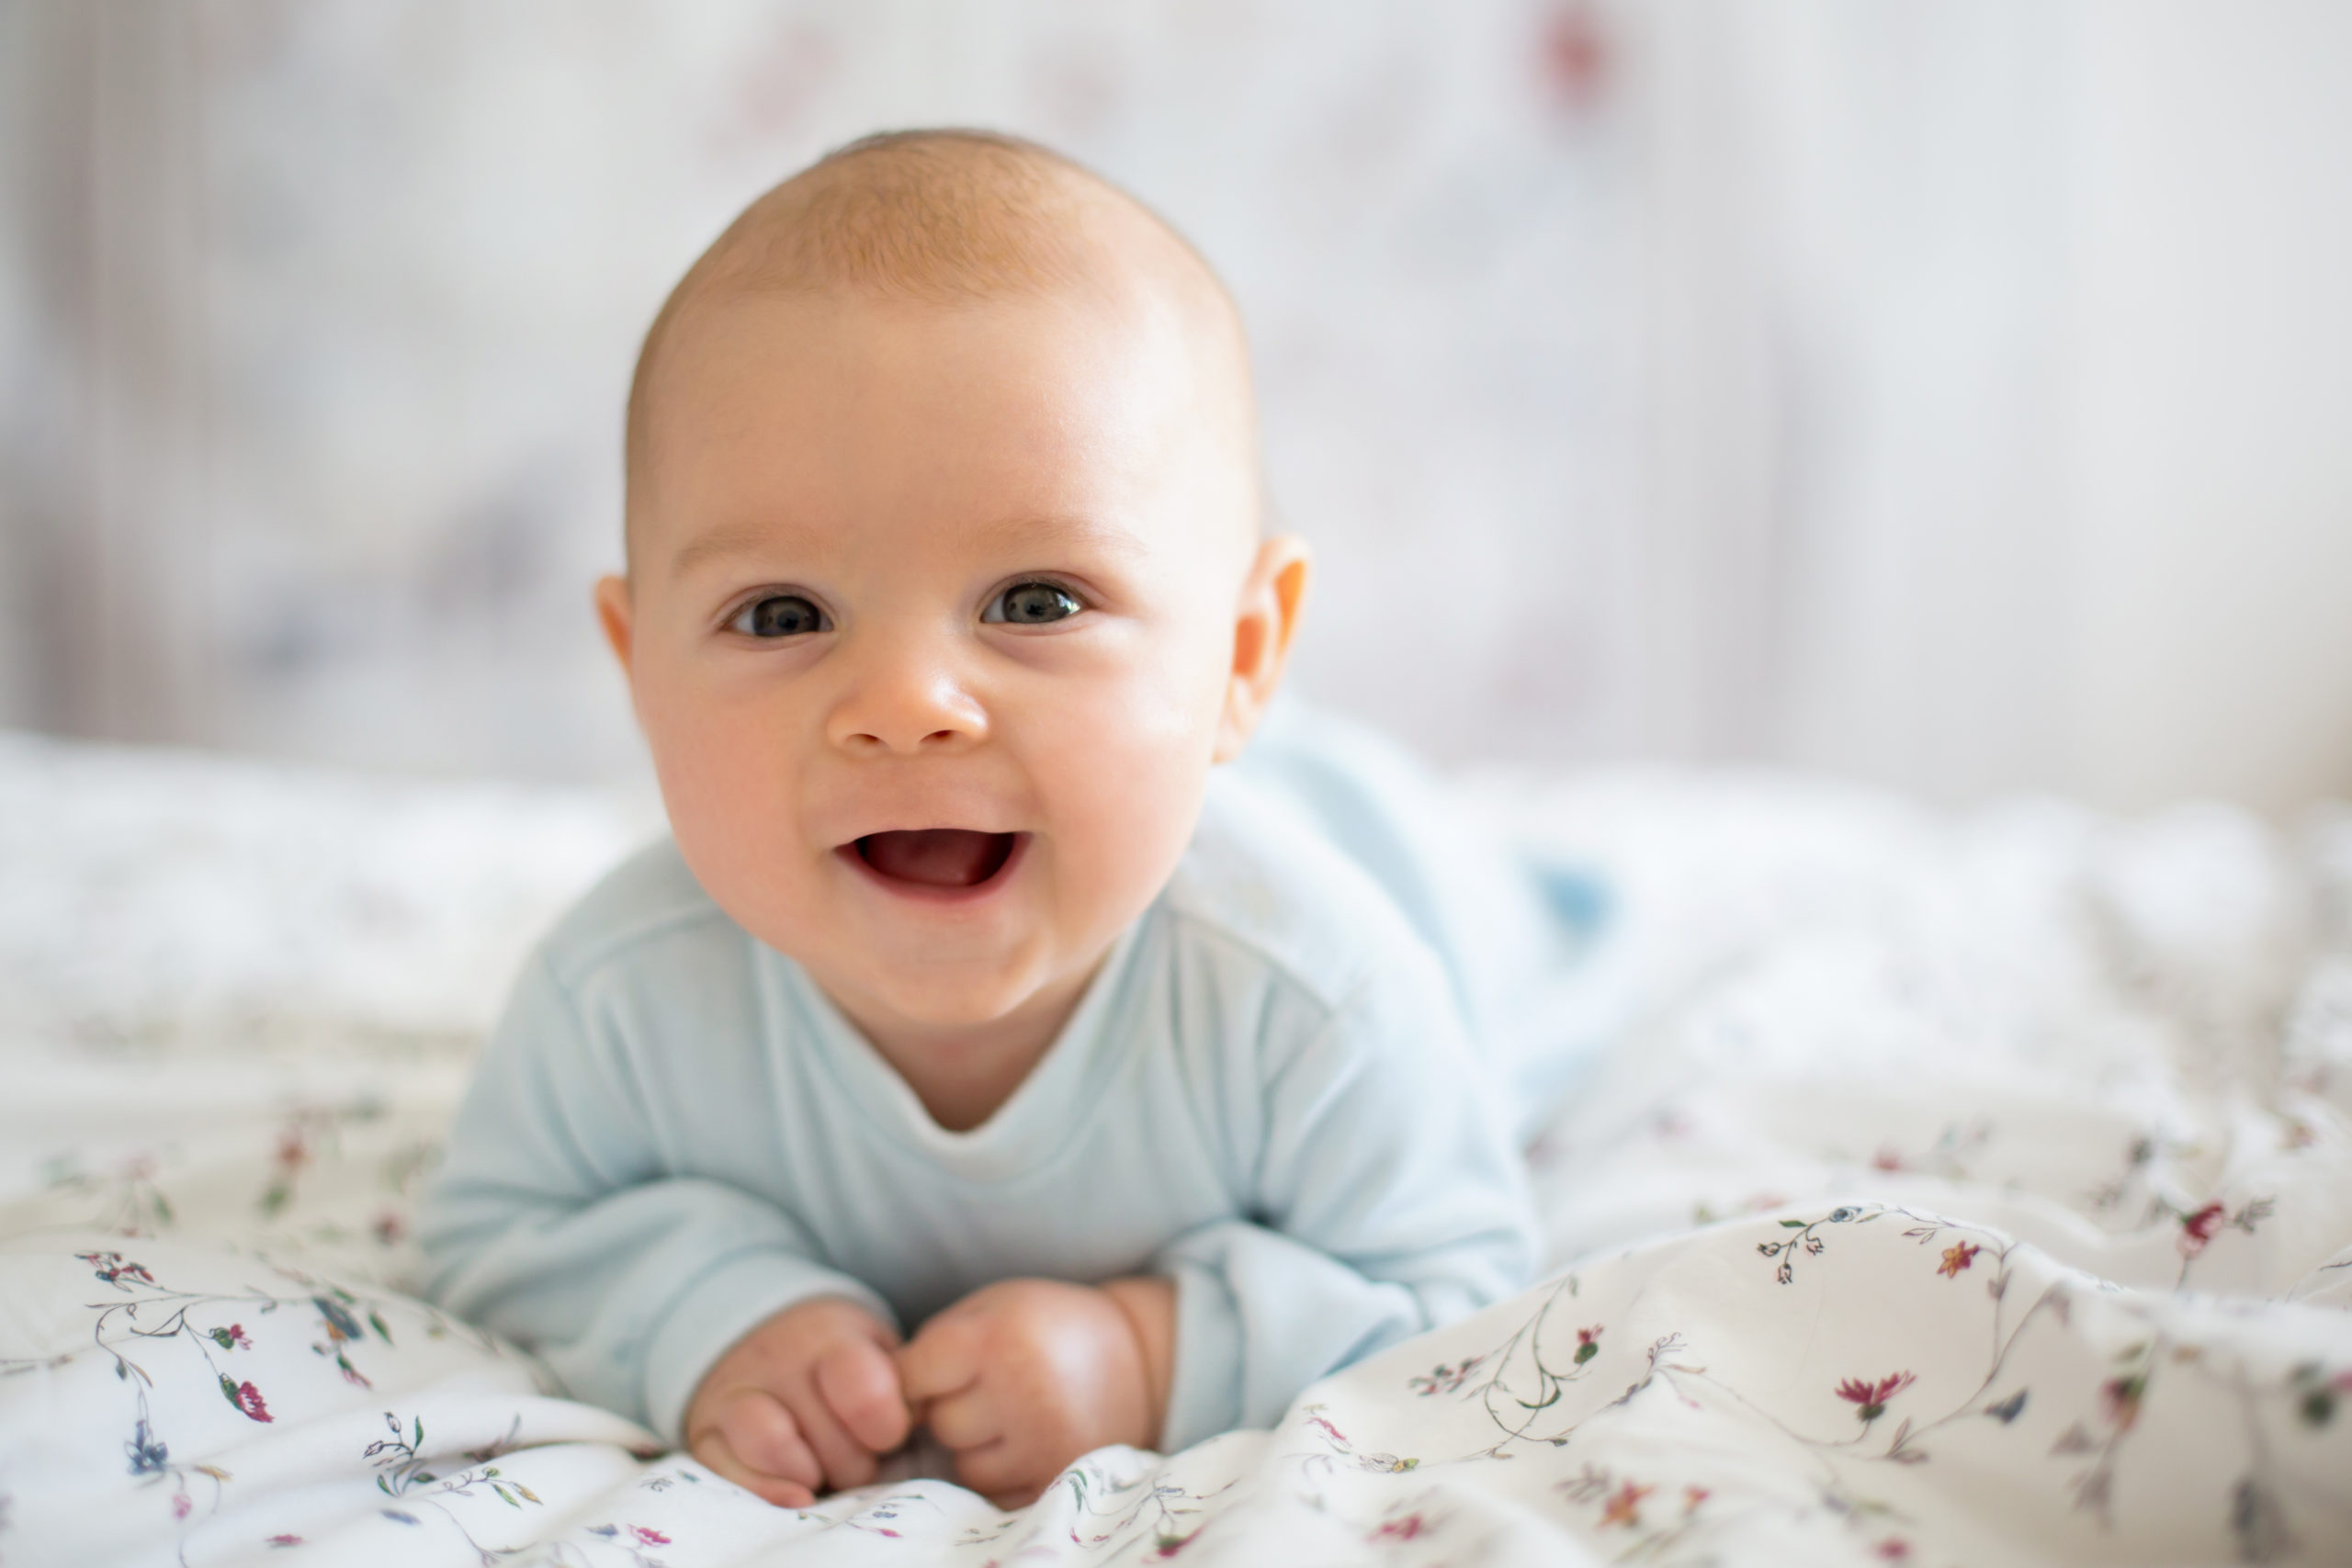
965 1004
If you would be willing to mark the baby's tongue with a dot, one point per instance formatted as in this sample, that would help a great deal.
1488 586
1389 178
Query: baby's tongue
937 857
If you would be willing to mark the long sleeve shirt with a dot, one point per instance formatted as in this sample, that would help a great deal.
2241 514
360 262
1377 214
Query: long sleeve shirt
1264 1095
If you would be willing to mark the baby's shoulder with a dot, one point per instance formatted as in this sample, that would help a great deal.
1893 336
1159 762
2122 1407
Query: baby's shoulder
1263 884
645 910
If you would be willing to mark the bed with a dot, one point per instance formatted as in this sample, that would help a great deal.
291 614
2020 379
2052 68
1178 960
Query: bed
1956 1188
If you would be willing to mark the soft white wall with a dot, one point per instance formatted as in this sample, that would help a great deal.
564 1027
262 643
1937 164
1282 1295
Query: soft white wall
1911 215
1999 392
1952 394
2211 421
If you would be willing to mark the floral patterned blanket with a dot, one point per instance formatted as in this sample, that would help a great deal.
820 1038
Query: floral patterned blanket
1955 1190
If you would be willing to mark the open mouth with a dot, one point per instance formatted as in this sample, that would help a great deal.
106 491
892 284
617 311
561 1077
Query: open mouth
937 857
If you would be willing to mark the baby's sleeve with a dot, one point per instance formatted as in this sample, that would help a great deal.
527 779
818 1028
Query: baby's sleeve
1387 1200
552 1223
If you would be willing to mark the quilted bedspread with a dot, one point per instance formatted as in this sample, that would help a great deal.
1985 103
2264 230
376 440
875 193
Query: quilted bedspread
1954 1188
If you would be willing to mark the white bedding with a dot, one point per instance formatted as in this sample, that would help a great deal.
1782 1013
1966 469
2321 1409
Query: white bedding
1960 1191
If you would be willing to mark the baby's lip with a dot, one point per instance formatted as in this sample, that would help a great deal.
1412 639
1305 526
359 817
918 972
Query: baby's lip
935 860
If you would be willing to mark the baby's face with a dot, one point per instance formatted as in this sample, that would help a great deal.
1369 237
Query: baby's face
931 628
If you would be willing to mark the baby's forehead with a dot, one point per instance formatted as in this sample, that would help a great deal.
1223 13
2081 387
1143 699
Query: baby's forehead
946 219
957 427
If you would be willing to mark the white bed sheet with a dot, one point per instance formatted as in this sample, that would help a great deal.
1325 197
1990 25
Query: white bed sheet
1958 1190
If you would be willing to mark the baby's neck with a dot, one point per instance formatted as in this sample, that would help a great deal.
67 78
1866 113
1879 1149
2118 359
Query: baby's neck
962 1073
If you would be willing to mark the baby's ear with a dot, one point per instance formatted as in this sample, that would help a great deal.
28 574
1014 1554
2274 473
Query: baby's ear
1267 619
613 615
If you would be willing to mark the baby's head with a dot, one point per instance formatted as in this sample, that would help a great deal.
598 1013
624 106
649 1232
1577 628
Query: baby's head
946 578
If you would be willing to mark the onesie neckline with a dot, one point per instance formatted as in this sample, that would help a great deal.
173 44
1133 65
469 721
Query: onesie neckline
1036 1122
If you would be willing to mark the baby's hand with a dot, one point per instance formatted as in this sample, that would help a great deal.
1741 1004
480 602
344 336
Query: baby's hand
803 1402
1020 1377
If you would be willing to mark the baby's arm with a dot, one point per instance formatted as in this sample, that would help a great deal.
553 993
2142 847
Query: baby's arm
554 1222
1022 1376
1384 1199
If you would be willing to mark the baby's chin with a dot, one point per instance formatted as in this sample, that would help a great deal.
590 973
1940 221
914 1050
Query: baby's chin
914 993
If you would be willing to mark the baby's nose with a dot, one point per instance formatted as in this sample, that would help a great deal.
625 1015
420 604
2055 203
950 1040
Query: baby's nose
905 705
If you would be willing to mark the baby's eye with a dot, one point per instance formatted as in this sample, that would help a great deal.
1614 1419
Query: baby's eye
1032 605
779 615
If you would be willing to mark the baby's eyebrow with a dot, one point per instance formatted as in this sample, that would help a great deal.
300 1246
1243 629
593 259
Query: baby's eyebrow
1015 533
1029 532
737 538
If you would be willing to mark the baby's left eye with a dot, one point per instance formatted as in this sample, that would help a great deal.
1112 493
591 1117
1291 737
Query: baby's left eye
1032 605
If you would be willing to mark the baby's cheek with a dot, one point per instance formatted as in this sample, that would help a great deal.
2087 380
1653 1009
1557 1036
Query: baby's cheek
1123 814
1150 725
727 788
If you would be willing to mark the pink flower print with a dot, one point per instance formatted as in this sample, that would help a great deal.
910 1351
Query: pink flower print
1893 1549
1692 1496
285 1540
1957 1257
181 1504
2198 1229
112 1269
648 1538
1405 1529
293 1154
231 1337
2120 1397
1624 1507
246 1398
1887 1159
1587 1344
1870 1397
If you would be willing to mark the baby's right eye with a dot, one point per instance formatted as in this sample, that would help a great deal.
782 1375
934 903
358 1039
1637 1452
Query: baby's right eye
779 615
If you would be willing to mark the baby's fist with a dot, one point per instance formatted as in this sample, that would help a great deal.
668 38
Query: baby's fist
1020 1377
803 1402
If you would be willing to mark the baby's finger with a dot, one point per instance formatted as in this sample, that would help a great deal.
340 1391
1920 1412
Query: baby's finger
711 1450
860 1385
847 1462
761 1432
943 1360
964 1421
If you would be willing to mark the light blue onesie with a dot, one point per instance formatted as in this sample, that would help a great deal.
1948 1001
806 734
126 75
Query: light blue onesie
1265 1095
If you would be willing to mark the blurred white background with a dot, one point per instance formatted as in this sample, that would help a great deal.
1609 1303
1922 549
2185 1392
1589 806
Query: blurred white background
1954 394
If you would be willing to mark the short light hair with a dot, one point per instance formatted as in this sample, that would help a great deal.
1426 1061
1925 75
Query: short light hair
936 216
